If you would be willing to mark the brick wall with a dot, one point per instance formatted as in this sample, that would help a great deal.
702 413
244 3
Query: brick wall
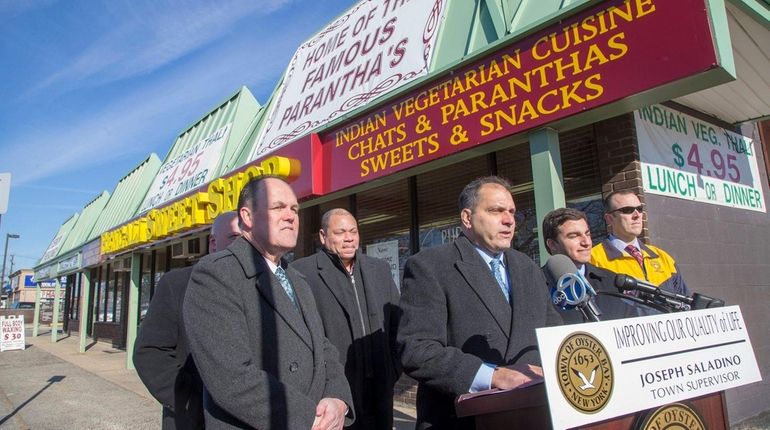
618 154
720 251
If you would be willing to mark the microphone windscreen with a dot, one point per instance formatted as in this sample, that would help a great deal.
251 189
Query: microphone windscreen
624 282
559 265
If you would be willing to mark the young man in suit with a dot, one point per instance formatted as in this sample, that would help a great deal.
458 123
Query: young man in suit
566 232
161 353
254 328
470 309
358 302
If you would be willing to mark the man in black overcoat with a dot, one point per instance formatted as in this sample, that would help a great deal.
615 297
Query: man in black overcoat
358 303
470 309
254 328
161 355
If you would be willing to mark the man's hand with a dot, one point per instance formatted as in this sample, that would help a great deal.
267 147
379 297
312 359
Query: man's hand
509 377
329 414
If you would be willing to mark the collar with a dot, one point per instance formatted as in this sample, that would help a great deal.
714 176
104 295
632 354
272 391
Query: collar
613 252
273 267
337 261
488 258
620 245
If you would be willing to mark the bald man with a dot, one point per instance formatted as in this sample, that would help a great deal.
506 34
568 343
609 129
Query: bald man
161 354
358 303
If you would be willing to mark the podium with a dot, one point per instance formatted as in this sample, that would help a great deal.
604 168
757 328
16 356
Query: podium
527 408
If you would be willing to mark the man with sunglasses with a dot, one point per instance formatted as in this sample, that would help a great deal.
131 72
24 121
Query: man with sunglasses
622 252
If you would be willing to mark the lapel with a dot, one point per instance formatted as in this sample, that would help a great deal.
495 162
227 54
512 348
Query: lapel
334 280
370 285
255 267
479 277
518 297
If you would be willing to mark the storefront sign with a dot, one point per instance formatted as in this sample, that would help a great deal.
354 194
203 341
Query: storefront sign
373 48
50 294
90 255
387 251
44 272
53 248
597 371
5 191
196 209
12 333
612 51
686 158
68 264
29 282
188 170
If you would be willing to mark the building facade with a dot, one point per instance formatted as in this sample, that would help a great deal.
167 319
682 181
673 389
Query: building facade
570 102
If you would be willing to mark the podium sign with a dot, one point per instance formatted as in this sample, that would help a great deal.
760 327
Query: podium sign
11 333
602 370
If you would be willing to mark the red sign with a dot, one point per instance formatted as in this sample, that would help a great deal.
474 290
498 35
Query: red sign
604 54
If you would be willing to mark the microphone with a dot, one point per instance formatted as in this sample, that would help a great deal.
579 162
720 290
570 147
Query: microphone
673 300
571 289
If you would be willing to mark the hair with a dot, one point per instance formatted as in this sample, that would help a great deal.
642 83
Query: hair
606 201
248 195
329 214
469 197
554 219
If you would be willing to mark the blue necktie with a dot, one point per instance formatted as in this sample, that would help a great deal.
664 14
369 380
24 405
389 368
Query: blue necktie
496 265
286 284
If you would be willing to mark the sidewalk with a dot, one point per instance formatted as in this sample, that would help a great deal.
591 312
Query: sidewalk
108 363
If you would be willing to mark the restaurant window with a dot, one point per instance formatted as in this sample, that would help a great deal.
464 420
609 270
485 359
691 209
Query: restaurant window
145 284
437 211
582 183
109 299
121 281
384 218
101 292
73 303
515 164
162 257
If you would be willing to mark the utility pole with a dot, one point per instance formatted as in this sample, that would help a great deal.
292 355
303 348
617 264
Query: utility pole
5 254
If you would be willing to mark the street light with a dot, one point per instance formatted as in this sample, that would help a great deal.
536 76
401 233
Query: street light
7 236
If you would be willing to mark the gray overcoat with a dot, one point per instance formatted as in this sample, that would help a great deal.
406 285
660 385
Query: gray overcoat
455 317
264 363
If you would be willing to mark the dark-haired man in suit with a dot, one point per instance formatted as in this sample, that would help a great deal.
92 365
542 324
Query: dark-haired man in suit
470 309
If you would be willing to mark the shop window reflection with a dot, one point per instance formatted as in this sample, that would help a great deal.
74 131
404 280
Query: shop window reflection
384 217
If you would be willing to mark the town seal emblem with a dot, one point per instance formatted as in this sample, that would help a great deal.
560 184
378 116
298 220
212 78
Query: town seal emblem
584 372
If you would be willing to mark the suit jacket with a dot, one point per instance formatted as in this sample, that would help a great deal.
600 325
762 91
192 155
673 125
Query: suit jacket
611 307
162 358
455 317
372 395
265 364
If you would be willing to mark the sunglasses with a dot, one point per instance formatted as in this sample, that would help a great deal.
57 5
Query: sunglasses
628 210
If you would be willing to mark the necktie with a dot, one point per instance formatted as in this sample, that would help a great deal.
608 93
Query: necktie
496 265
286 284
631 249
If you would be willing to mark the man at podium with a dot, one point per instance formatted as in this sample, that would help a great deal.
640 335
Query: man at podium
470 309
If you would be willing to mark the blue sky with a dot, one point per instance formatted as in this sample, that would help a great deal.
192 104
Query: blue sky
88 89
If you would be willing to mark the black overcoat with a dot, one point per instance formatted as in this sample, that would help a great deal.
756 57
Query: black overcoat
264 363
373 396
455 317
162 358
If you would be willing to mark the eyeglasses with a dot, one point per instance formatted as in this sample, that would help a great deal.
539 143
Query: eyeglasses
628 210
